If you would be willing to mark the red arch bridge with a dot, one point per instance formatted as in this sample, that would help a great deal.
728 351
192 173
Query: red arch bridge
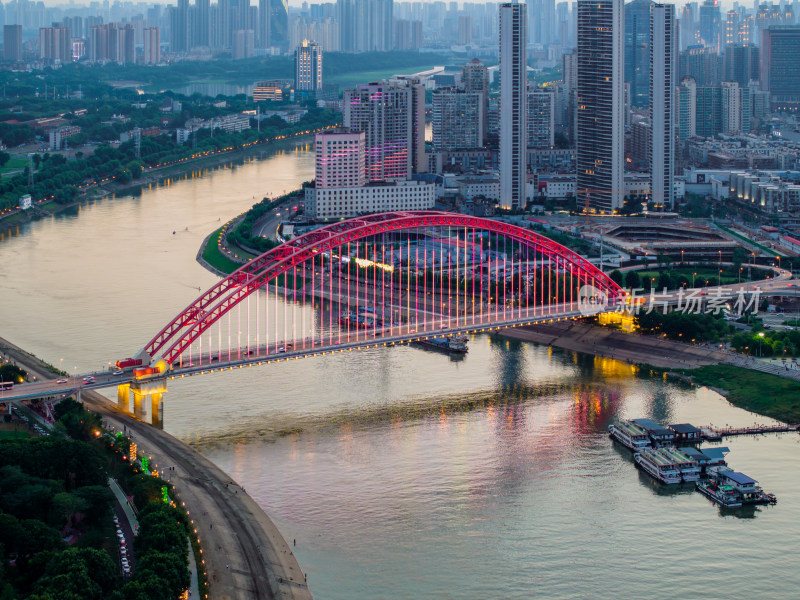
371 281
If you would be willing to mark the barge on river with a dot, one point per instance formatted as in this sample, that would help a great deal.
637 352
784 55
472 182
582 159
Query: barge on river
452 343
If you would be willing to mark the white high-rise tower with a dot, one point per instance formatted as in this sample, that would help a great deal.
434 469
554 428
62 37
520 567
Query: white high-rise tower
663 49
600 105
513 107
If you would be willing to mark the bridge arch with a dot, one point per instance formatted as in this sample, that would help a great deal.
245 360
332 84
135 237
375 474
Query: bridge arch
178 335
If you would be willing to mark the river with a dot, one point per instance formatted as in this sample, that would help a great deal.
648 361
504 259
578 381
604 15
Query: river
402 473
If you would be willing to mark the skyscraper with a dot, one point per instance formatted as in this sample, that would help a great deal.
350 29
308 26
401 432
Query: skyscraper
475 78
687 106
637 51
663 52
600 114
392 116
513 107
308 67
279 23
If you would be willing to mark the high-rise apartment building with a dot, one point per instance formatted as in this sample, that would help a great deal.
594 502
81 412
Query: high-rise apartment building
513 106
112 42
735 111
600 114
458 119
541 119
392 116
637 51
663 52
687 106
244 43
475 78
152 45
308 67
55 44
340 159
12 43
780 67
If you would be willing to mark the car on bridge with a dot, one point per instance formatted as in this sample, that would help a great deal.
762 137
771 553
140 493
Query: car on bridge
62 380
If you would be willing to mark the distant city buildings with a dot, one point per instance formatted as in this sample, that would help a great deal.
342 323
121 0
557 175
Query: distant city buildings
637 51
112 43
152 45
365 25
55 44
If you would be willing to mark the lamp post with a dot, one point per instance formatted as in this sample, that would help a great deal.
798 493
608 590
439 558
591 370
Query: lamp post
681 257
760 337
693 276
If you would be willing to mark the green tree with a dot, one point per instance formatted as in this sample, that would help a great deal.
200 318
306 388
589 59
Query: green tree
616 277
632 280
665 281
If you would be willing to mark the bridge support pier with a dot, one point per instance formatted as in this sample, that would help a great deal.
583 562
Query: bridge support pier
124 397
152 390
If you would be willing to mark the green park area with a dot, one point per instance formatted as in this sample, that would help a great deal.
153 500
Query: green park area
214 256
57 537
762 393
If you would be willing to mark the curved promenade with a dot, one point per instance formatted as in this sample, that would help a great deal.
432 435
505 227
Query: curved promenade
246 557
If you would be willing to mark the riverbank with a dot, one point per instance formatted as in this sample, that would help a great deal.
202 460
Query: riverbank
152 177
244 554
755 386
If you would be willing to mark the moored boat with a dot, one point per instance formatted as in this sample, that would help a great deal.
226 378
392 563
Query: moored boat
630 435
659 465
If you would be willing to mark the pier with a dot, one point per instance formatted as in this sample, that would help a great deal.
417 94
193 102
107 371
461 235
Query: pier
713 434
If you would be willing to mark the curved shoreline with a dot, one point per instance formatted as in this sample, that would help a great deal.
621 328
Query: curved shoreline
245 555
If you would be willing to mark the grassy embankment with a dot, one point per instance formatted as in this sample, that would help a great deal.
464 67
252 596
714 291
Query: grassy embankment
214 257
762 393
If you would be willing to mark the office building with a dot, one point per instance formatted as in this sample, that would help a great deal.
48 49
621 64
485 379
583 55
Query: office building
513 105
308 67
780 67
741 64
704 65
55 44
278 23
663 51
392 116
637 51
376 197
541 119
600 114
152 45
458 119
12 43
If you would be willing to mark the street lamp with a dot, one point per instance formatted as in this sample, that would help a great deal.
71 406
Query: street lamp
760 337
681 256
720 256
693 276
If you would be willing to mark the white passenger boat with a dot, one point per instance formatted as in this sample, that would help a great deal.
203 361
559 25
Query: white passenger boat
630 435
659 465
